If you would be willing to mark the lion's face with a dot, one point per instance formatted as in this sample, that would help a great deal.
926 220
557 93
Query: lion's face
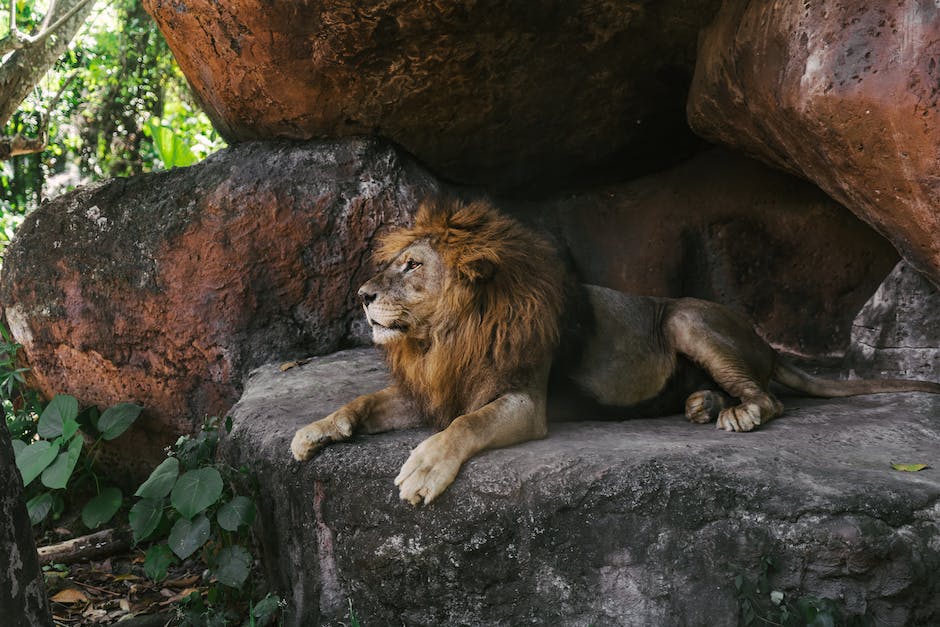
400 299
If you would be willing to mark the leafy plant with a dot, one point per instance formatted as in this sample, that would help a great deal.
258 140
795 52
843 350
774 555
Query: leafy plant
186 498
53 456
760 604
124 107
21 406
172 147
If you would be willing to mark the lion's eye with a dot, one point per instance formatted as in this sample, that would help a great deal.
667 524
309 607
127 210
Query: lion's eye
411 264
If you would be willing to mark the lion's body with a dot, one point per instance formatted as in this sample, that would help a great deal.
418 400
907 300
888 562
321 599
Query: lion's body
470 307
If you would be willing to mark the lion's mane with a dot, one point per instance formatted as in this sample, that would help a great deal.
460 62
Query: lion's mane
496 323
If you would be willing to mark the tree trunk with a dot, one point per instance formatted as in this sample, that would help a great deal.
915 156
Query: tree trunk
23 599
25 67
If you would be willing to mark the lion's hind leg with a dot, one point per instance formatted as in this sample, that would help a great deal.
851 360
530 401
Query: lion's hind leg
725 345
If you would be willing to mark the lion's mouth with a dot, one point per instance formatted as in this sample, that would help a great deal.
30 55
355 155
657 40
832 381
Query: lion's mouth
394 326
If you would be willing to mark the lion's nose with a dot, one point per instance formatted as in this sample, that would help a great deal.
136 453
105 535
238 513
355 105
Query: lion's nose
365 296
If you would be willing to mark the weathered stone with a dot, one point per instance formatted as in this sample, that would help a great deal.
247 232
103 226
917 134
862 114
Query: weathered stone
166 289
897 332
844 94
729 229
495 93
23 601
638 522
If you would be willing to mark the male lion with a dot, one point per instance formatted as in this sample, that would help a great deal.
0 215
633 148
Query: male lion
469 308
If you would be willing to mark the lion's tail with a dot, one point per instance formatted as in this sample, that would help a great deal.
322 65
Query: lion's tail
792 377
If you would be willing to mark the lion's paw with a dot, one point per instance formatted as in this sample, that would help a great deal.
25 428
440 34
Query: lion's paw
430 468
310 439
703 406
743 417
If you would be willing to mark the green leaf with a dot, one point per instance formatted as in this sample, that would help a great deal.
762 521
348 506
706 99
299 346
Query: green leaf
161 480
18 446
187 536
157 561
57 475
909 467
115 420
33 459
266 608
39 507
196 490
237 512
60 410
173 151
102 508
145 516
232 566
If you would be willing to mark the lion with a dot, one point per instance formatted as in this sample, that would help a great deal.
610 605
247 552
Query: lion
471 308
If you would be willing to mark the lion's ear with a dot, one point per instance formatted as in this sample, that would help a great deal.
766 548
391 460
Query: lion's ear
478 268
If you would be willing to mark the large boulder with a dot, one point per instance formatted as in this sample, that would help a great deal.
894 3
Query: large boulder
497 94
729 229
844 94
897 332
166 289
643 522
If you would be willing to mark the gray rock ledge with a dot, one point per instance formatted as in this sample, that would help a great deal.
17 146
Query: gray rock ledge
603 523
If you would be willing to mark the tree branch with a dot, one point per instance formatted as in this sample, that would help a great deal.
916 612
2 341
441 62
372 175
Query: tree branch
19 145
17 39
27 65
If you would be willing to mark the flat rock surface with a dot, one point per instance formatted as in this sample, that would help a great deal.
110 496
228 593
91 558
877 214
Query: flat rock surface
632 522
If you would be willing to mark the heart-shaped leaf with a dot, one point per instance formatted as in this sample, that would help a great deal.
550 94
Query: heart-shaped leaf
232 565
102 508
161 480
39 507
58 473
157 561
187 536
237 512
144 517
61 410
116 420
196 490
33 459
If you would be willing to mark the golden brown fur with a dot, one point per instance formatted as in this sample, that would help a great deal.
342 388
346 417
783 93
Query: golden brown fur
468 307
495 321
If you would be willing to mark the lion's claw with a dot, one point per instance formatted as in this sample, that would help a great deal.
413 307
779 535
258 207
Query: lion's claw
743 417
427 473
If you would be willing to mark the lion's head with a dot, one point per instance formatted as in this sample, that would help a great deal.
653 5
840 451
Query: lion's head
467 305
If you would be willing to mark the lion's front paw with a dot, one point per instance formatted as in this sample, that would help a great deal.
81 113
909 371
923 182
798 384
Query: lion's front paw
308 440
431 467
743 417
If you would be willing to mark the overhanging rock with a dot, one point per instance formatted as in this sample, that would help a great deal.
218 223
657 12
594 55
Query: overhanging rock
634 522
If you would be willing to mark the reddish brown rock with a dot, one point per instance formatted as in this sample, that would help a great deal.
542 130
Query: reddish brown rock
166 289
495 93
845 94
729 229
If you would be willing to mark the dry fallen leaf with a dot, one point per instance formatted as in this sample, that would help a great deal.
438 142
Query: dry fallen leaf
287 365
70 595
176 598
909 467
183 582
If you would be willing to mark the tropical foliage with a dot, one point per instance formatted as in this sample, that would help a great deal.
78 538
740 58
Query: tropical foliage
115 104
